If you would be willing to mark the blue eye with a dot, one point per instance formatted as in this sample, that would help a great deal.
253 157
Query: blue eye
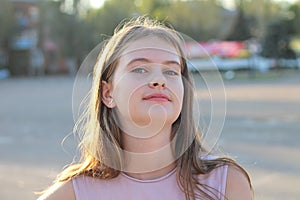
171 73
139 70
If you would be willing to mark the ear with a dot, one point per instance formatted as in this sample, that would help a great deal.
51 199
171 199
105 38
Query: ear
106 96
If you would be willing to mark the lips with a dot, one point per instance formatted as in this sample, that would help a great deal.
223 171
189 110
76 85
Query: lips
157 97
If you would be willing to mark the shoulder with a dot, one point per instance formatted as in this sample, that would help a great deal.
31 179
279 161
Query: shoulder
238 185
61 190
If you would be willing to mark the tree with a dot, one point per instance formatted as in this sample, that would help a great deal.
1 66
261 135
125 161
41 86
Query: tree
241 29
154 8
201 20
295 18
261 13
105 19
66 28
276 41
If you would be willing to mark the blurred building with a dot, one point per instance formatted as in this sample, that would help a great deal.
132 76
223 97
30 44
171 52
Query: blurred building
26 56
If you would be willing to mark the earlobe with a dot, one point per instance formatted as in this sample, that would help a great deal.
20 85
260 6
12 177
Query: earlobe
106 96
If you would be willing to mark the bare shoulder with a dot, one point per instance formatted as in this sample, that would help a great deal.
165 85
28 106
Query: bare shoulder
237 185
63 190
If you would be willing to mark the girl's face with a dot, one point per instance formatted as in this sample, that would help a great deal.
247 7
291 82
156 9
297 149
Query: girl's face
147 87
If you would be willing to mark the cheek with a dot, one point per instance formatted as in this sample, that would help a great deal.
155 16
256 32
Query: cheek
177 89
126 91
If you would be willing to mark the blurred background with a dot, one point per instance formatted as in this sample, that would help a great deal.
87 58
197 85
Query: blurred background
255 44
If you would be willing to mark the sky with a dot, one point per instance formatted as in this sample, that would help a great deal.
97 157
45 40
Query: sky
227 3
96 3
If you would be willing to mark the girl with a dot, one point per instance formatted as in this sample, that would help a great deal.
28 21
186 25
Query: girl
140 141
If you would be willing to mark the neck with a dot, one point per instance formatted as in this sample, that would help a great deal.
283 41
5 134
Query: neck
146 145
148 158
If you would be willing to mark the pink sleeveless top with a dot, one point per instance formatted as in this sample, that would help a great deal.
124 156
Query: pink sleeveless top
125 187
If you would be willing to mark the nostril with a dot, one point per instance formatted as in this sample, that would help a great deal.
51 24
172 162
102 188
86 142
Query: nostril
157 84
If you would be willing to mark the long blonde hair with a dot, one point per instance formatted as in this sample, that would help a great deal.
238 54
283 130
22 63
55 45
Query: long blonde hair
101 136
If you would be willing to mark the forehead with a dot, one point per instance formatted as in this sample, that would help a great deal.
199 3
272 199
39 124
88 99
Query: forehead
152 48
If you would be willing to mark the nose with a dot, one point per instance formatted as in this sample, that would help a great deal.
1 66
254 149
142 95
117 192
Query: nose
158 81
157 78
157 85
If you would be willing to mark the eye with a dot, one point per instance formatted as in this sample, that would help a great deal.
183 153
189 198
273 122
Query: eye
139 70
171 73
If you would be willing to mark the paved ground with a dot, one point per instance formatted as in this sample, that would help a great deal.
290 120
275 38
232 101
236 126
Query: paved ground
262 131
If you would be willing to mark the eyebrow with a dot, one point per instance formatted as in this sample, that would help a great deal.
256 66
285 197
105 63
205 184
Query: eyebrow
149 61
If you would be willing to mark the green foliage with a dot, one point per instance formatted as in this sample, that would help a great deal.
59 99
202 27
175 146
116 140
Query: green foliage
154 8
105 19
201 20
78 33
77 29
198 19
295 18
261 13
277 39
241 29
67 30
